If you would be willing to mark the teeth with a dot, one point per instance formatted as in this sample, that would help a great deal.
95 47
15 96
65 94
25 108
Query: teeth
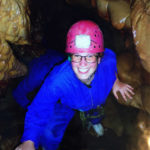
83 70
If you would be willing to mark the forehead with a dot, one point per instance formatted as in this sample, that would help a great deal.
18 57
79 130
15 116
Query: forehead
85 54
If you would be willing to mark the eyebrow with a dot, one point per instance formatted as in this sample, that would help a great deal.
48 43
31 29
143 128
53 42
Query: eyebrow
86 55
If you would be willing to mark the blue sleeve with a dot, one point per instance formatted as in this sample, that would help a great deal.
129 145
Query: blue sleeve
29 83
109 55
109 60
38 69
40 111
109 66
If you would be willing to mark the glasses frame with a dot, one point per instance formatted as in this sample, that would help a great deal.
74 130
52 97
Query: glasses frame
86 57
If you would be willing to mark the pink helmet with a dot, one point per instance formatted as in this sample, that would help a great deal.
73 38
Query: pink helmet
84 36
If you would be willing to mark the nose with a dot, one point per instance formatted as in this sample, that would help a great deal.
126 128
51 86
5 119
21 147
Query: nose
83 61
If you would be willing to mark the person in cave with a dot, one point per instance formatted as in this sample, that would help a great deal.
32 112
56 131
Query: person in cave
79 84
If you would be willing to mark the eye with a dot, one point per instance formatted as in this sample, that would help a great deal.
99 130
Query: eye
78 56
90 56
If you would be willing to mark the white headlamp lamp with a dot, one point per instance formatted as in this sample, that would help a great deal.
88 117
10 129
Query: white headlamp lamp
82 41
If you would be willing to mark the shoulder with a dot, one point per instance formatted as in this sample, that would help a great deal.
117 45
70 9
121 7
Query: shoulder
108 61
108 53
108 57
61 69
60 74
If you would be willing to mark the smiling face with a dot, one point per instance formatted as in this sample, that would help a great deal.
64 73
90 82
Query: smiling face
85 70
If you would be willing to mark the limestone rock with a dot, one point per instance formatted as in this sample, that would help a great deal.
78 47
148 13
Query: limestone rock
131 71
140 19
15 28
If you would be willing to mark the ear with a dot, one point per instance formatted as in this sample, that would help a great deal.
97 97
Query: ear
69 58
99 60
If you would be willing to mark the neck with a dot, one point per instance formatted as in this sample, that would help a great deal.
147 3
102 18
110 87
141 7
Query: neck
89 80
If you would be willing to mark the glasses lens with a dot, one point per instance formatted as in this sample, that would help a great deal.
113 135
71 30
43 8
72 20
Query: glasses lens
91 58
76 58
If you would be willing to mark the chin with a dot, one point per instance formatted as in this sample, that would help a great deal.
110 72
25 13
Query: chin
84 79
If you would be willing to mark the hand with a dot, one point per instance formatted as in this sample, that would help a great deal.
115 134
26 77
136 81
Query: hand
125 90
27 145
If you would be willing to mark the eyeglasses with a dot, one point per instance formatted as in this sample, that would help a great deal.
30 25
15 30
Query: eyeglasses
89 59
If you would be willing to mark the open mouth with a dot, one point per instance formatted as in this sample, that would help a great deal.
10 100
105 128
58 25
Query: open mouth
83 70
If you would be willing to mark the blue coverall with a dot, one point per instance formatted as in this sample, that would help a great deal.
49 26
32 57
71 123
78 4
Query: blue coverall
38 69
61 94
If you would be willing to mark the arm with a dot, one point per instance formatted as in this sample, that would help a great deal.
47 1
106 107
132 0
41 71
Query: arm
32 81
38 69
40 111
109 59
125 90
20 93
28 84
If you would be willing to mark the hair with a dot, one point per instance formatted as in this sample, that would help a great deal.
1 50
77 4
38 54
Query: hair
101 54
